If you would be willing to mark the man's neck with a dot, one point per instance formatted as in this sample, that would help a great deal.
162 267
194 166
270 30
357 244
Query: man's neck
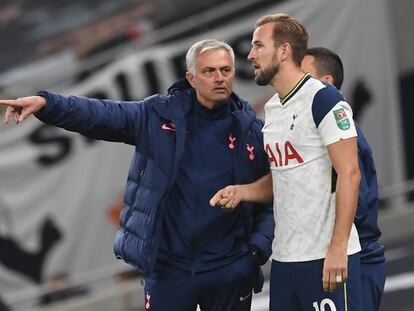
210 105
286 79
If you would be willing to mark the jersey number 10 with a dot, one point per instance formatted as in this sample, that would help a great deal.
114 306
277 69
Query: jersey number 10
324 302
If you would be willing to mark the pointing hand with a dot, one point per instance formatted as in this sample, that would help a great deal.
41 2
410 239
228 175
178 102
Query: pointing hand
23 107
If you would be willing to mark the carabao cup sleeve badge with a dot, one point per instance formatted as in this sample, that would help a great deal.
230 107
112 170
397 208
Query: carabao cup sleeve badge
341 119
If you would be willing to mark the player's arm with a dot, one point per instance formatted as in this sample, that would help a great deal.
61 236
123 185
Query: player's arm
260 191
333 118
344 158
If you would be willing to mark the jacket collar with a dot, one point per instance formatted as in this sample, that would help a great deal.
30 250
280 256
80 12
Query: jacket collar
178 101
181 97
185 91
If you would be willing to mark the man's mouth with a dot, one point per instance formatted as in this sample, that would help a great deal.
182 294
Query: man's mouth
255 66
219 89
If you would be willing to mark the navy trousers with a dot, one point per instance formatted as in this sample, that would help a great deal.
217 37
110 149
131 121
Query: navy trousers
228 288
297 286
373 281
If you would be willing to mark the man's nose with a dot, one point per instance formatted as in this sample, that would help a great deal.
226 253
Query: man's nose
218 76
250 56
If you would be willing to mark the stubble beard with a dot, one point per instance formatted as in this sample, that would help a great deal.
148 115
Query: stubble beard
266 75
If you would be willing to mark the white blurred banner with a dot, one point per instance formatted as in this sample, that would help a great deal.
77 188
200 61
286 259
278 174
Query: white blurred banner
48 173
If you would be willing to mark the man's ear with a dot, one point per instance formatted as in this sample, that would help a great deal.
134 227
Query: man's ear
286 50
190 78
327 78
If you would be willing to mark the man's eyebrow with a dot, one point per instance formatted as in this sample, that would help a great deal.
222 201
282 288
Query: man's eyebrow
214 68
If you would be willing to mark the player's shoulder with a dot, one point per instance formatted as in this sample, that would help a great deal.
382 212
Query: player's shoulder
324 100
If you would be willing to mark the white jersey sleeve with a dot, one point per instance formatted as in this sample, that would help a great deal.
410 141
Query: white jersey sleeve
332 116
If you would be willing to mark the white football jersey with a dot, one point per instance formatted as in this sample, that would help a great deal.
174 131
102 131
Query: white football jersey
296 132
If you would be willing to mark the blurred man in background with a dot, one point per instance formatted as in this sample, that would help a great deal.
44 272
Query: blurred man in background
325 65
189 144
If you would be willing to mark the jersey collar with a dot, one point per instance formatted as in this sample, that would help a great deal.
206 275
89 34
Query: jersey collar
295 89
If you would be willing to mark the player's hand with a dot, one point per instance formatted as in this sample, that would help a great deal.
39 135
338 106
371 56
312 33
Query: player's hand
21 108
228 198
335 268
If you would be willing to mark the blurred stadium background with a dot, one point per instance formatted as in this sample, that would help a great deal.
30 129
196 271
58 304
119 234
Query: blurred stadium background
60 194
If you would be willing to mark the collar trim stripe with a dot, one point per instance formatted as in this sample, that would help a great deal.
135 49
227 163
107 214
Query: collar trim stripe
295 89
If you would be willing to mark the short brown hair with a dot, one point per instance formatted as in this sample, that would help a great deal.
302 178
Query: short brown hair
287 30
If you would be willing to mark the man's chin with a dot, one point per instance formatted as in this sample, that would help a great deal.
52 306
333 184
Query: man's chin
260 81
221 97
221 100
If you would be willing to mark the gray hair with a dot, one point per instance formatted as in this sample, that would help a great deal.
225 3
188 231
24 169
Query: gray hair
201 46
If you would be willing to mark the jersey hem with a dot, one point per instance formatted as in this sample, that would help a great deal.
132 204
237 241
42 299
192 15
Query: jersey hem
309 258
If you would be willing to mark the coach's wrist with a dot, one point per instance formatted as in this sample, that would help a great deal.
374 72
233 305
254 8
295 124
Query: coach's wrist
245 192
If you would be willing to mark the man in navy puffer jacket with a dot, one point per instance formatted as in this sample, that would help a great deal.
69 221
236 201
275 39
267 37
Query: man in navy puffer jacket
189 144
